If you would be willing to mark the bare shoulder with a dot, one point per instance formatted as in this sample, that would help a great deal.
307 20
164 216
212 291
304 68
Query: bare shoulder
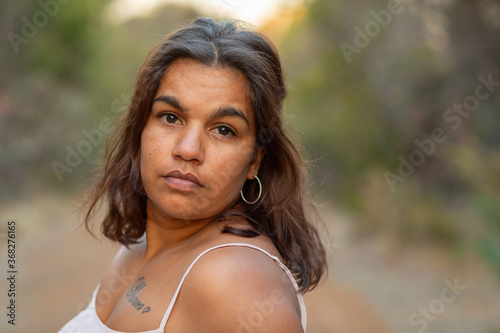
244 289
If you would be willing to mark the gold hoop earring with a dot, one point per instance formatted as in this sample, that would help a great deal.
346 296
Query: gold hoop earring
258 197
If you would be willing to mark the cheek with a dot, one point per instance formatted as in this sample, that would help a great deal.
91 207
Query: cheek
230 170
151 153
145 151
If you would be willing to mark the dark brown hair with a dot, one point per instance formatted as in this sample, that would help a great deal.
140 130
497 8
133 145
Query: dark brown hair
284 211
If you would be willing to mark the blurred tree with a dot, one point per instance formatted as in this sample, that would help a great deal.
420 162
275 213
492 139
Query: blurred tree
67 68
370 84
48 51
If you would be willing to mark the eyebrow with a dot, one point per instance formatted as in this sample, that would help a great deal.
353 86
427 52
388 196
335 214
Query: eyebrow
221 112
171 100
229 111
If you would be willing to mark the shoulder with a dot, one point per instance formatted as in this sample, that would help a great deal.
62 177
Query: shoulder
244 289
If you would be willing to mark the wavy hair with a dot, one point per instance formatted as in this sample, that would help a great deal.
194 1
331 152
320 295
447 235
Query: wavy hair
285 212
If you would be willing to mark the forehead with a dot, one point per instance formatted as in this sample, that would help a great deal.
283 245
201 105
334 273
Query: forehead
198 85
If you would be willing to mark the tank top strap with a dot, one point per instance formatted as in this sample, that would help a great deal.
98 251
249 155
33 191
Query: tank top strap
276 259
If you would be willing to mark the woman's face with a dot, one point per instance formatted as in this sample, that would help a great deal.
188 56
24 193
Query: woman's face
198 145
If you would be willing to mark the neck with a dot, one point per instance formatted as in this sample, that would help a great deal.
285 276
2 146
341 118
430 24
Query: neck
163 234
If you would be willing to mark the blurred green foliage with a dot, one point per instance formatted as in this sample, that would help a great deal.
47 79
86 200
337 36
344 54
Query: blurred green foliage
360 113
77 71
356 116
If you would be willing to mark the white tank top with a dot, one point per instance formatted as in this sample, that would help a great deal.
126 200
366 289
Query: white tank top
88 321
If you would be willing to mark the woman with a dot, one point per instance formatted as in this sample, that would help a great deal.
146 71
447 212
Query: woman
207 194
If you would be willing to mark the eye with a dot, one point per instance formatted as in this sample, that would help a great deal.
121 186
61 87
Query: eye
224 131
169 118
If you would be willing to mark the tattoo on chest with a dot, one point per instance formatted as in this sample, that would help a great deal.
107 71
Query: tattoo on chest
138 285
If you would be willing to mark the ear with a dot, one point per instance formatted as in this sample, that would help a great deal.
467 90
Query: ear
255 165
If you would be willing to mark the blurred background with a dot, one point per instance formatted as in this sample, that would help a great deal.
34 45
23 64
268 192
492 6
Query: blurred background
397 104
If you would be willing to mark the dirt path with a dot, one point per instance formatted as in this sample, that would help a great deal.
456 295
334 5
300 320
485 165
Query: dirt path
371 288
415 289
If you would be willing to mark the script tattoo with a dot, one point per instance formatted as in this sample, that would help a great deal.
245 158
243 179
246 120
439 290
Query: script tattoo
138 285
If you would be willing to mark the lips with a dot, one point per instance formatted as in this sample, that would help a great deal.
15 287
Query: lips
182 181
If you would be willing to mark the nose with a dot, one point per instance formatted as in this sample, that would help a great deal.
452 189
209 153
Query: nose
189 145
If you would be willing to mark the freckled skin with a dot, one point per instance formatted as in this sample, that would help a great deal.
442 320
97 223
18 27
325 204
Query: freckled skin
190 141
